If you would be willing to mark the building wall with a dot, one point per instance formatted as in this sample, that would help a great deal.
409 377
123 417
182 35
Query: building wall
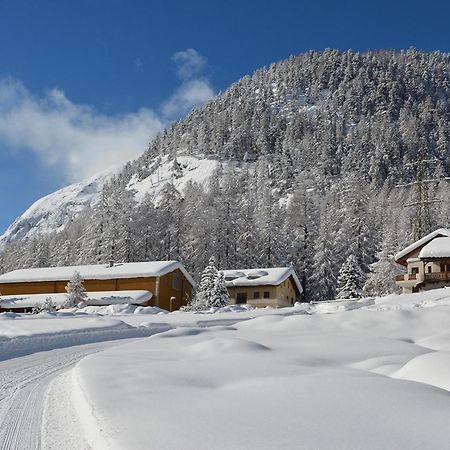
182 291
282 295
174 285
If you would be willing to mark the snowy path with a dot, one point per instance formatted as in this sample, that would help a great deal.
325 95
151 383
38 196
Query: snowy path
23 385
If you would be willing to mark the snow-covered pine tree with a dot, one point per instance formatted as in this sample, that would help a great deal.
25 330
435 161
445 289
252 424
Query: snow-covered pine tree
381 280
201 300
76 292
211 291
219 294
350 279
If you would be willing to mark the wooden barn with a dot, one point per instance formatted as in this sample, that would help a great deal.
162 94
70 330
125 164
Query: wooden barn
168 282
276 287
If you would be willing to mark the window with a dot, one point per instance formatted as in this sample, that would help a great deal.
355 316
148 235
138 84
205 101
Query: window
266 294
241 297
429 269
176 281
414 270
255 295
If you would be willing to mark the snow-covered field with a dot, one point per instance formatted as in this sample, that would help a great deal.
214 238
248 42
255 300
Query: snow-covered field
373 374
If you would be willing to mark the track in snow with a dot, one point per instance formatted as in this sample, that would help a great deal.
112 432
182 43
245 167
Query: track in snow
23 385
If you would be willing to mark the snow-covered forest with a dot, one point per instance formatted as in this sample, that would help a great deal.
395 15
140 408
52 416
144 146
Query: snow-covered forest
310 152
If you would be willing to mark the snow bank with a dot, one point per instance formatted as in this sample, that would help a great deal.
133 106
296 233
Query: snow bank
21 335
120 309
287 379
93 299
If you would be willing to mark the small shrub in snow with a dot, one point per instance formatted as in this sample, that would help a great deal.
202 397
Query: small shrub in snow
47 306
76 293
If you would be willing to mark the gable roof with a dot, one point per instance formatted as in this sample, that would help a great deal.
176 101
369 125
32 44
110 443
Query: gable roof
422 242
437 248
256 277
96 272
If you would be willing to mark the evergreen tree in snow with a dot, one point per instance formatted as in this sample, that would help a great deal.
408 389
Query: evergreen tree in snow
381 280
211 291
350 279
219 294
76 292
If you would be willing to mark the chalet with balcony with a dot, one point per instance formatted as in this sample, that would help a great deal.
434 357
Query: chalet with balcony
427 263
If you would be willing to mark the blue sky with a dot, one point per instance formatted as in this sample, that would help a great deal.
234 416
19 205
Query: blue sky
85 84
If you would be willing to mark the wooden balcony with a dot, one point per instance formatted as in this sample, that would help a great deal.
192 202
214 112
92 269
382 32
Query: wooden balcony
437 276
406 277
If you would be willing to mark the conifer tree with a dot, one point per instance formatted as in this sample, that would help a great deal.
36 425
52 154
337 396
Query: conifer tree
219 294
76 291
350 279
211 292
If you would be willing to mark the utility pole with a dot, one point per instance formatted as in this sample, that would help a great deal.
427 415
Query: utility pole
421 222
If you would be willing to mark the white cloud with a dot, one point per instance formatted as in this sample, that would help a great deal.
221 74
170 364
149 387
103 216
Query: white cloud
190 94
189 63
75 139
79 141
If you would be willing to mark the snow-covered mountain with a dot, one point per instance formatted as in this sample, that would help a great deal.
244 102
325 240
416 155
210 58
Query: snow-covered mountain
54 211
334 132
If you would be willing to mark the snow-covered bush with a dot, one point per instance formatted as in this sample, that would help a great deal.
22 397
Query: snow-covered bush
76 293
47 306
212 292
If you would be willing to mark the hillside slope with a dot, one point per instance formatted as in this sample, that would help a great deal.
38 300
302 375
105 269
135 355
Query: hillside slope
297 165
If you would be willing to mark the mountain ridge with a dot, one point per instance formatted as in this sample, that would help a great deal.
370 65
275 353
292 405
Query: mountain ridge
307 156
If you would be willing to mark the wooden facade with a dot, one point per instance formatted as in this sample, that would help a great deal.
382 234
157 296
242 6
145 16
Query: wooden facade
170 291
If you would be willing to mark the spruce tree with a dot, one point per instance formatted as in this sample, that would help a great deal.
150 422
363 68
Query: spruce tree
219 294
212 292
350 279
76 292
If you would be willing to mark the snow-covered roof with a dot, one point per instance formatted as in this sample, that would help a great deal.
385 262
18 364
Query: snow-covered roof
255 277
94 299
437 248
96 272
423 241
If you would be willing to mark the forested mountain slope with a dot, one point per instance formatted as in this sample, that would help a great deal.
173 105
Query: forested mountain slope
302 160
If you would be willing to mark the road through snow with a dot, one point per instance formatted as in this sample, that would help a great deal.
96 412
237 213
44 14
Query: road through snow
23 385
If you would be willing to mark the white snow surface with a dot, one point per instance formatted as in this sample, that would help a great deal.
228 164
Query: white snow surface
93 299
96 272
369 374
429 237
22 334
255 277
192 169
437 248
54 211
